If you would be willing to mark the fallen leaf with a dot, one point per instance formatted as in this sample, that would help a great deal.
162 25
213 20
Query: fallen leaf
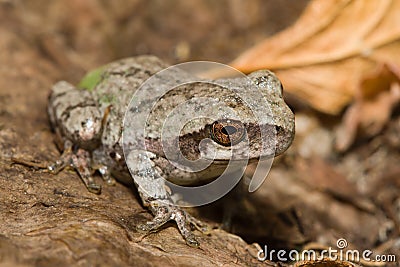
376 97
323 57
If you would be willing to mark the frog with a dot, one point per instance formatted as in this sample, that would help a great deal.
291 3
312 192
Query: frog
90 123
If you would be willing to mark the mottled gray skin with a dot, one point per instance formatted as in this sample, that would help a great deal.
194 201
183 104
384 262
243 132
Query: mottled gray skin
90 126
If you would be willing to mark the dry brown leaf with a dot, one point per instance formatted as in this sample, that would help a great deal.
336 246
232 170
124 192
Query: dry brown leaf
323 57
377 95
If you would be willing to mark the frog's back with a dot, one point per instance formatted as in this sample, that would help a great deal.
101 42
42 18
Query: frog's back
120 79
118 83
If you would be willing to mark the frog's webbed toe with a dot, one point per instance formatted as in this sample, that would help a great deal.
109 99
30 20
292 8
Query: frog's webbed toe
198 224
166 212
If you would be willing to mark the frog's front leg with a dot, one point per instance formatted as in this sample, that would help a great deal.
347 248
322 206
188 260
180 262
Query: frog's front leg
155 196
80 160
63 161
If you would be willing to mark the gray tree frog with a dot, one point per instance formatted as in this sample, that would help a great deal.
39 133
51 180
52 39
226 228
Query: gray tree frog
90 123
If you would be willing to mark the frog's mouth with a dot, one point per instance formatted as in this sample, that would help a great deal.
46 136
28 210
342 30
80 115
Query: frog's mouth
236 161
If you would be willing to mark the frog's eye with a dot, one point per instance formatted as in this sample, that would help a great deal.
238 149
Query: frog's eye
227 132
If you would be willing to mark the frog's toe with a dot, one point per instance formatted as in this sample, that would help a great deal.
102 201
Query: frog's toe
105 174
192 241
162 215
111 181
166 213
199 225
94 188
88 180
183 222
56 167
142 228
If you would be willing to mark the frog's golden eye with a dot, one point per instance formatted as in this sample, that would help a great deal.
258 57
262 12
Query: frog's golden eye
227 132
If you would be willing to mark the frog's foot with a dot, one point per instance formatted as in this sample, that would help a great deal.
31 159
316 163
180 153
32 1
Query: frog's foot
165 212
81 163
54 168
62 162
199 225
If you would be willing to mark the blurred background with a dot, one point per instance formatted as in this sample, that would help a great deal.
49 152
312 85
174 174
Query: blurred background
92 32
339 62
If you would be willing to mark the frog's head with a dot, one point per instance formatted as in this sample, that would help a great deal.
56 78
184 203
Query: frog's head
250 121
240 119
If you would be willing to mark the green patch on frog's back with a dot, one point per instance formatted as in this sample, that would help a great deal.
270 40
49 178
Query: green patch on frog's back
91 79
107 99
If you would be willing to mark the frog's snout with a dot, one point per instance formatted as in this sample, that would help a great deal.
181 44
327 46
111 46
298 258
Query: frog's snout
89 130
